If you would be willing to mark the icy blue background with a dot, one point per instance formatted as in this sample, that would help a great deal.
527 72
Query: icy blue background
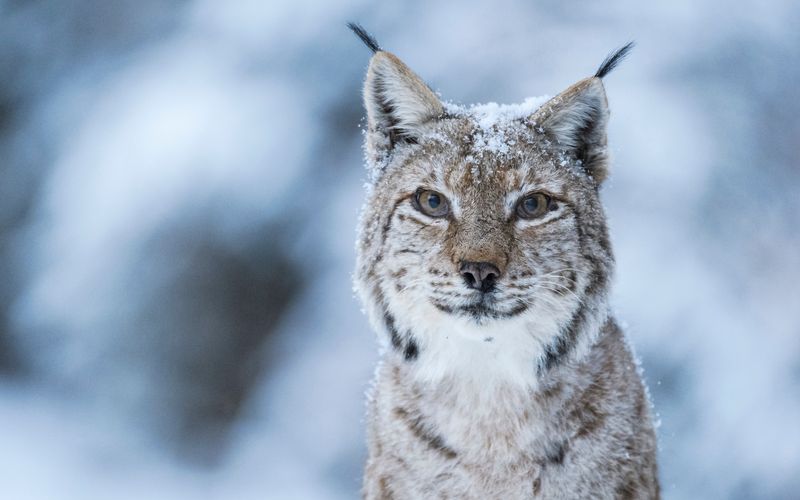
179 187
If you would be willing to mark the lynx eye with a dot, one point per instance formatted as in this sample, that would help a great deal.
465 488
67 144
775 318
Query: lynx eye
535 205
431 203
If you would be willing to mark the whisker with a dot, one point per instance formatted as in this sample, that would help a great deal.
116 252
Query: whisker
550 274
560 289
536 299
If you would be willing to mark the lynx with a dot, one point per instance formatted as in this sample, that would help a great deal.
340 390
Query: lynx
484 264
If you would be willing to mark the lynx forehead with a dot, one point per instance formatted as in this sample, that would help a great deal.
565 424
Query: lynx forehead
484 264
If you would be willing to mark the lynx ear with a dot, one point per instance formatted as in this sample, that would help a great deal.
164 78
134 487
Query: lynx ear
398 102
577 120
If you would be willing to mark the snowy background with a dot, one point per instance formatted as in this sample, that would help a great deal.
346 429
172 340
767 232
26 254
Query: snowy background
179 186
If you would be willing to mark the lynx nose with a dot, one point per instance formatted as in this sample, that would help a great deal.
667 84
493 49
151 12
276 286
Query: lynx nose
479 275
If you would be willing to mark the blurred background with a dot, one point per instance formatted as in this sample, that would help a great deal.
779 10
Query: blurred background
179 188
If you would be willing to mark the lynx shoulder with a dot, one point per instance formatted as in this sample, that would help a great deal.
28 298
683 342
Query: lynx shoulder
484 265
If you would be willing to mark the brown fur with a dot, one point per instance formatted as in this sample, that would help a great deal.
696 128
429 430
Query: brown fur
527 389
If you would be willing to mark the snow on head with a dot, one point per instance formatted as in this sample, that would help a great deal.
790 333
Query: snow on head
492 120
490 114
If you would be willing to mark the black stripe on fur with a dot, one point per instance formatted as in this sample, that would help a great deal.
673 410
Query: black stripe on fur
411 351
563 344
613 59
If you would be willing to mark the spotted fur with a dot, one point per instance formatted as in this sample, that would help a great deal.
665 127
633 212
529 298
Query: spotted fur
528 390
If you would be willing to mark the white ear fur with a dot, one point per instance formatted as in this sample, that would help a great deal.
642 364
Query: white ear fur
398 102
577 120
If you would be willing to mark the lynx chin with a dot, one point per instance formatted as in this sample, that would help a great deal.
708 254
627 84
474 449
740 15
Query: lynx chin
484 264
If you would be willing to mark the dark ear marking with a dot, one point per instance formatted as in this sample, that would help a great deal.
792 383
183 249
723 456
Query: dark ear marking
398 103
365 37
613 59
577 118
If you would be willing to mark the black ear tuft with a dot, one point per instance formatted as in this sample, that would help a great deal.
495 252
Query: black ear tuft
613 59
365 37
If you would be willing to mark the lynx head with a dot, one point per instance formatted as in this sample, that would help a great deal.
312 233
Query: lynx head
483 225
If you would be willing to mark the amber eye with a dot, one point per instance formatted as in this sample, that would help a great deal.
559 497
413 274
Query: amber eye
535 205
431 203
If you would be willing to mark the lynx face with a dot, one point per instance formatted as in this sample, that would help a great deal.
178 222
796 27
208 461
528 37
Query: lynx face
505 239
483 223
